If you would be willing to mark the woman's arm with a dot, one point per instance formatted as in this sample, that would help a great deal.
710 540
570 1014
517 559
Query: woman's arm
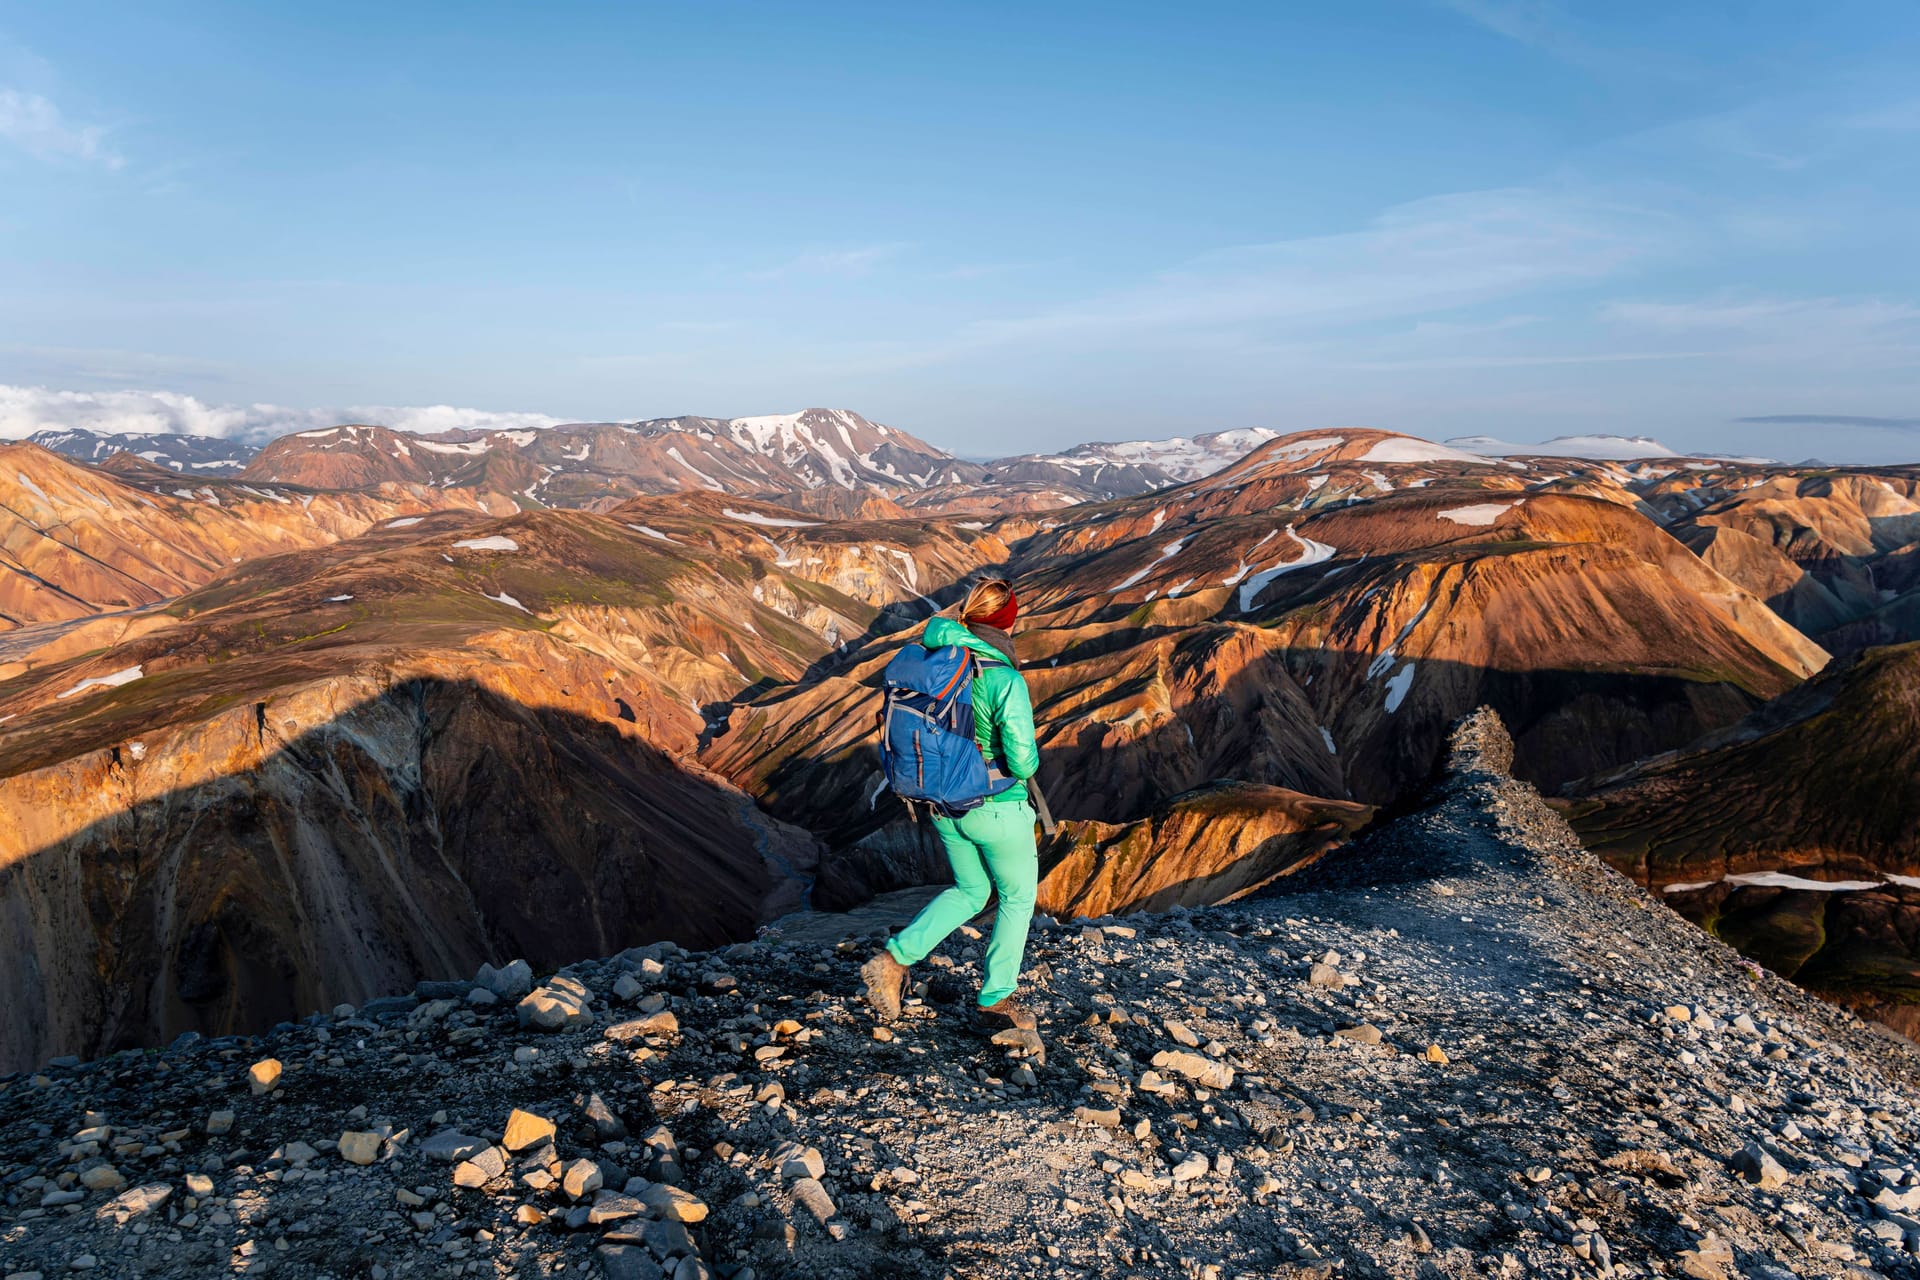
1013 715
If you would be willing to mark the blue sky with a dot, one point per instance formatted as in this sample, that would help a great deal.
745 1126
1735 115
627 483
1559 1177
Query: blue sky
1002 227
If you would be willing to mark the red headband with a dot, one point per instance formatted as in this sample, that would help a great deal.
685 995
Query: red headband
1002 618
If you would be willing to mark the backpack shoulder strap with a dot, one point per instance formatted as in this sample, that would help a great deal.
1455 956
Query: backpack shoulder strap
960 677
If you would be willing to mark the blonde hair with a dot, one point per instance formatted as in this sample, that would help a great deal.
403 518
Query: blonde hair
987 598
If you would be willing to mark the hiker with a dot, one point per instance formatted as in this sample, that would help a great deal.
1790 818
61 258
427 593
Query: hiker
991 846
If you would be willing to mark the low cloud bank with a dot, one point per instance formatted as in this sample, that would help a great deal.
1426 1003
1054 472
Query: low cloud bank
25 410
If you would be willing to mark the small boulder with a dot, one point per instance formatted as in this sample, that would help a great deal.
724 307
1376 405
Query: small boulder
524 1129
102 1177
484 1167
561 1004
1194 1166
624 1261
813 1197
1196 1067
1757 1165
135 1202
613 1206
581 1179
796 1161
1023 1040
1708 1260
509 982
606 1125
663 1023
676 1205
451 1145
360 1146
264 1075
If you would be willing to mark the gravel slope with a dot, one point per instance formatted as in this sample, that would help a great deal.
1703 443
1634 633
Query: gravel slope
1535 1103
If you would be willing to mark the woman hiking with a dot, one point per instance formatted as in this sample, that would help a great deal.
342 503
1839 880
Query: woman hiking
990 847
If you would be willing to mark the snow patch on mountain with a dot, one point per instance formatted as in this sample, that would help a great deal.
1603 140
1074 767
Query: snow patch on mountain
1408 449
1172 549
771 522
1312 553
1600 448
113 681
1482 513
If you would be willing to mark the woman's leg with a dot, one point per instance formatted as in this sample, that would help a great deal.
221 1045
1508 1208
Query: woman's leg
1004 832
951 909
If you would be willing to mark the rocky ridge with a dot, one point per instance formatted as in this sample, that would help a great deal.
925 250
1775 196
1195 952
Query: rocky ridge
1460 1048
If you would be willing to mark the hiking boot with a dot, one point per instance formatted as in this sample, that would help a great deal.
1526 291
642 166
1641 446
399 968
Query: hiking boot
886 979
1009 1012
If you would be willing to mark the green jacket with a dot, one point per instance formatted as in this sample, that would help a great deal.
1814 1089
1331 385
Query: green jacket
1002 708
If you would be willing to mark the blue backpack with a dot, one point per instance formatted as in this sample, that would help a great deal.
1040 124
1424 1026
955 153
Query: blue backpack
927 750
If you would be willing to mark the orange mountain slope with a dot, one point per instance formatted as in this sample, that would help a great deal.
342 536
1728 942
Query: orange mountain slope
76 540
1323 649
333 771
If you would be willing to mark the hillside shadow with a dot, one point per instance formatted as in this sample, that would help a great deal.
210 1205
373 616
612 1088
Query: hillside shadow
411 836
440 824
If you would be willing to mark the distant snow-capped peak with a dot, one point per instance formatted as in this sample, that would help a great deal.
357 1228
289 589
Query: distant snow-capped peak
203 455
1599 448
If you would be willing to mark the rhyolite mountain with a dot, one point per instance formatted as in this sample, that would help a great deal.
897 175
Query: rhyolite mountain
1794 834
544 709
76 541
831 461
834 454
190 454
333 770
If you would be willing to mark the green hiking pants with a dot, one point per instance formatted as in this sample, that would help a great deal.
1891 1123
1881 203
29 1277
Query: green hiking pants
991 849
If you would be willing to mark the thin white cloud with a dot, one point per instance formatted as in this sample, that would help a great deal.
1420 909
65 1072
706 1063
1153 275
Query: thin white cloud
846 263
1770 316
36 126
1418 259
1555 30
1814 337
25 410
1529 22
1898 117
1521 361
109 365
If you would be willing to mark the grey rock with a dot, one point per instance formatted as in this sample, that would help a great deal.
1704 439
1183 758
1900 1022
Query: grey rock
451 1145
811 1196
628 1262
481 1168
796 1161
559 1005
606 1125
509 982
1757 1165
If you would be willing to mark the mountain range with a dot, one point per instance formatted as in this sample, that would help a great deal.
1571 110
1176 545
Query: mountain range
381 706
830 460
